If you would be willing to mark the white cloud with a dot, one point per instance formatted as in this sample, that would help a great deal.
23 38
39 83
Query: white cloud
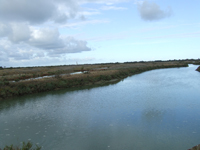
113 8
5 29
74 25
71 45
3 54
51 41
29 30
36 11
38 43
19 33
150 11
108 2
19 51
74 46
46 39
40 11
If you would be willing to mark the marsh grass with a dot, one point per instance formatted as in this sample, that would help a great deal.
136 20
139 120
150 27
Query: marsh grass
113 72
25 146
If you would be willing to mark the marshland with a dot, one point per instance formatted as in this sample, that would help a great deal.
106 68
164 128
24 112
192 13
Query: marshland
28 80
145 105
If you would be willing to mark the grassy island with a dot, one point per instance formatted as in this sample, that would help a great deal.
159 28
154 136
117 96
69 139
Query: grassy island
28 80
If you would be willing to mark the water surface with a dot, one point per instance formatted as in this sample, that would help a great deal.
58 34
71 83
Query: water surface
157 109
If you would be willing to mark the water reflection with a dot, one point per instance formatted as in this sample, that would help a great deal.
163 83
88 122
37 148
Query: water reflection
152 115
10 103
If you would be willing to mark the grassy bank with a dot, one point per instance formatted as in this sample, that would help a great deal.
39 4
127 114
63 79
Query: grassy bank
198 69
96 75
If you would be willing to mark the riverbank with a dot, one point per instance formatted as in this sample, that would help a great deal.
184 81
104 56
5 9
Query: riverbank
198 69
98 74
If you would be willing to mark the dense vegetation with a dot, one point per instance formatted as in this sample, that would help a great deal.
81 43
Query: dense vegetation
9 88
25 146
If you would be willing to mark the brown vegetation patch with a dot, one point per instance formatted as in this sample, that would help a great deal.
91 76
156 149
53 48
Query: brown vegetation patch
92 74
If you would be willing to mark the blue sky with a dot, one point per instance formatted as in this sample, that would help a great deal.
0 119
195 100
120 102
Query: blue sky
58 32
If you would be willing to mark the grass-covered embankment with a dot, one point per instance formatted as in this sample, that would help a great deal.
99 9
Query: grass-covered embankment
198 69
116 72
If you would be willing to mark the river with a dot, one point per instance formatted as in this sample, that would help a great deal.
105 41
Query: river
154 110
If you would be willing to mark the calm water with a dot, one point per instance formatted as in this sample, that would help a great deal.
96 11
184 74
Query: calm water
158 109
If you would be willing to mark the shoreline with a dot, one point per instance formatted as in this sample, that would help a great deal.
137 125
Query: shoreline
112 73
198 69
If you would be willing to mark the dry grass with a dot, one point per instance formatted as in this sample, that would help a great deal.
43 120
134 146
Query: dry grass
16 74
97 74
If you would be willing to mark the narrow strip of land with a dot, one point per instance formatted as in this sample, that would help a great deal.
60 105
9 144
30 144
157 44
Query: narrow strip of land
63 77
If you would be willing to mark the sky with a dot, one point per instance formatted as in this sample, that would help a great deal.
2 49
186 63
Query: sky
63 32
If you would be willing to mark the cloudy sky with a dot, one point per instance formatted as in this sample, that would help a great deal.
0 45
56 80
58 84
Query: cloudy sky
58 32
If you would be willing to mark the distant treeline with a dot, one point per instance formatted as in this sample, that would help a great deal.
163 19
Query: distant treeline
9 89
